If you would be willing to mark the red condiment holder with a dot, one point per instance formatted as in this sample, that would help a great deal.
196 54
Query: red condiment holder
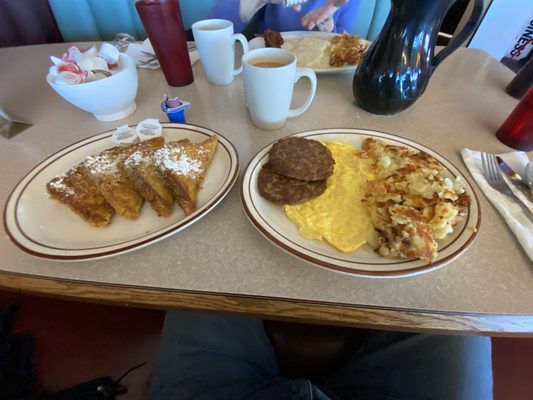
163 24
517 129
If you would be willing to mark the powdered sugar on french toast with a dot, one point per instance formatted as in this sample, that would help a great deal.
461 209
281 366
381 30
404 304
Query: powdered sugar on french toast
102 164
60 185
175 160
138 158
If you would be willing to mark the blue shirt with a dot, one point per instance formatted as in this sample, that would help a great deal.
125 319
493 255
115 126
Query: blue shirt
283 19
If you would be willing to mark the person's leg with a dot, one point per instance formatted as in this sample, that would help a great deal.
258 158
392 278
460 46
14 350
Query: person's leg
211 356
416 366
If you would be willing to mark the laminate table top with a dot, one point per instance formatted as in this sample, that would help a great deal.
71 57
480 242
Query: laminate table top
221 263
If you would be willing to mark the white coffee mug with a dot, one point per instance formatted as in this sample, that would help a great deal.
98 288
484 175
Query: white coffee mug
269 78
215 42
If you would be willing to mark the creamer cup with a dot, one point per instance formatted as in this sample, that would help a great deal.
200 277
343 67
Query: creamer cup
124 135
148 129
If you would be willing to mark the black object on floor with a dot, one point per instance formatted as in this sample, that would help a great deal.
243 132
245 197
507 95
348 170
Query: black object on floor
16 359
97 389
104 388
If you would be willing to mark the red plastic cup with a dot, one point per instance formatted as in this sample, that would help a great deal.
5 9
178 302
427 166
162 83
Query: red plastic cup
517 130
163 24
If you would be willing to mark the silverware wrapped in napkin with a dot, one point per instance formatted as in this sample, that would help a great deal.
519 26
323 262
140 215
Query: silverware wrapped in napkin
144 56
512 212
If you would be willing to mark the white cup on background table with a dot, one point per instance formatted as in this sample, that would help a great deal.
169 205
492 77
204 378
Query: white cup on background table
269 78
215 42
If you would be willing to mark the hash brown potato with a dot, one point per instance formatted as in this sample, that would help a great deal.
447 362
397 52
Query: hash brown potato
346 50
411 202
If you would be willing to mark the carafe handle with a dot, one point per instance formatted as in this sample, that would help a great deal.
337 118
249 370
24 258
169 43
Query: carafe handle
461 36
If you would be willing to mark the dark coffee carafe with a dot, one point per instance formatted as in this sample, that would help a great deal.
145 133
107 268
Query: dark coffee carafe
396 68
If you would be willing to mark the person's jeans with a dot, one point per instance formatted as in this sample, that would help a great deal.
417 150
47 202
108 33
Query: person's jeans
210 356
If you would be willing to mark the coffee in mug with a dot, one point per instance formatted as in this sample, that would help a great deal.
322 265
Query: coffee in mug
269 78
209 28
267 63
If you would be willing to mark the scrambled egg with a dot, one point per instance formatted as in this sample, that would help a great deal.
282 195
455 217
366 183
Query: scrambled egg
338 215
309 52
395 199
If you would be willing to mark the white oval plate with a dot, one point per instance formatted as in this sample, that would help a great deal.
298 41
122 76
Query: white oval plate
259 42
272 222
46 228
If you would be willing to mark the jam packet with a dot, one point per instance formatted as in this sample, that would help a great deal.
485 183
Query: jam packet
175 109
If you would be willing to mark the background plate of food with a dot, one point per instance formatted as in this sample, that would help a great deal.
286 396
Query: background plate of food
391 207
323 52
83 225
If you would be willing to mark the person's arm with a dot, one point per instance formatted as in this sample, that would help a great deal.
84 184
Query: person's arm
240 12
344 20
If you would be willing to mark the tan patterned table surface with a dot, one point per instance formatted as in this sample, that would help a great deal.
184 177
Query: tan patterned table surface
222 263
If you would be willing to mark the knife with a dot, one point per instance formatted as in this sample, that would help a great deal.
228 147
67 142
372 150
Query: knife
515 179
528 174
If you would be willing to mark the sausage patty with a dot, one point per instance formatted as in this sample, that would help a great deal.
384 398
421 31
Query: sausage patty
282 190
300 158
273 38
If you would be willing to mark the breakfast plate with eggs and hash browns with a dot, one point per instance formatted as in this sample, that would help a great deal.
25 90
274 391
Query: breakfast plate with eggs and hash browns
323 52
391 207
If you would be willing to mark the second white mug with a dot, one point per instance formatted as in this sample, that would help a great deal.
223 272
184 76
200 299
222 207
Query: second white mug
269 78
215 42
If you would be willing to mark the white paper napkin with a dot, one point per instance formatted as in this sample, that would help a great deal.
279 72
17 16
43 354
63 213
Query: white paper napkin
135 51
513 213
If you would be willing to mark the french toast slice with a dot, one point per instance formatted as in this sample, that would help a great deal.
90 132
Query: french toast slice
107 172
76 190
149 181
184 165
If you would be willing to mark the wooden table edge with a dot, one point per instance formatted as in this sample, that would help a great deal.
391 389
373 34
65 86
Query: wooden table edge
304 311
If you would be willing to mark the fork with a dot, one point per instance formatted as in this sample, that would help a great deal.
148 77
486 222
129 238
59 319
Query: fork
492 173
151 61
147 63
494 178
